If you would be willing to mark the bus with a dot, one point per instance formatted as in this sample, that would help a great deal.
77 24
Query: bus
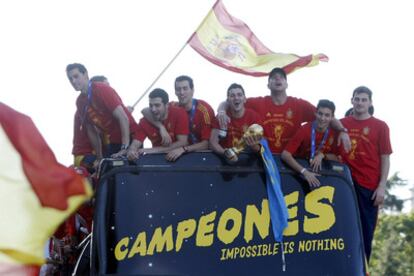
201 215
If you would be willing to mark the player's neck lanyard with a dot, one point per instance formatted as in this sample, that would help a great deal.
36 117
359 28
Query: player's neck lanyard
313 138
193 138
85 109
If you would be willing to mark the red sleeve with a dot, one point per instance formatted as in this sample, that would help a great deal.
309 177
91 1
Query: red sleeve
139 131
107 95
308 110
385 143
254 103
206 124
333 148
256 118
215 123
294 143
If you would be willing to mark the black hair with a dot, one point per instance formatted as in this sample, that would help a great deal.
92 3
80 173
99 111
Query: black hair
363 89
185 78
78 66
235 86
159 93
326 104
277 71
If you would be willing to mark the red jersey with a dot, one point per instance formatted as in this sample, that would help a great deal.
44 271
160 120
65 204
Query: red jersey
370 139
104 100
280 122
81 144
174 125
201 123
237 127
300 144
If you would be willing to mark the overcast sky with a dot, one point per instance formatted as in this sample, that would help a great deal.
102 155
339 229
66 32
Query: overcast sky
368 42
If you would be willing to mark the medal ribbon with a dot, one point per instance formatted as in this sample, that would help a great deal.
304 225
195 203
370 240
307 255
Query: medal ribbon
193 138
313 138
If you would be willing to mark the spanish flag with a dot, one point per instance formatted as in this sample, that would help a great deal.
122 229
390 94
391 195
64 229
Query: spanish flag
36 193
228 42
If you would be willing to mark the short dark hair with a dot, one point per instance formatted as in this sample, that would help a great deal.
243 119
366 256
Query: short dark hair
159 93
185 78
362 89
235 86
371 110
326 104
78 66
277 71
99 78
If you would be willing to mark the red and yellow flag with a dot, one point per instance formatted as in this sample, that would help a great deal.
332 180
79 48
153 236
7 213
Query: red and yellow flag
228 42
36 192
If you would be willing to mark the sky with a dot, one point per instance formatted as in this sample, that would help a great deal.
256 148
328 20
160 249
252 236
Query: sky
130 42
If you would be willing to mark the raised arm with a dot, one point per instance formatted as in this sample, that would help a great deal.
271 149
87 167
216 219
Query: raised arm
165 137
222 117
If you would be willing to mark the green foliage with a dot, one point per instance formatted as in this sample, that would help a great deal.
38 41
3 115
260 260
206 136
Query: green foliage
393 246
392 202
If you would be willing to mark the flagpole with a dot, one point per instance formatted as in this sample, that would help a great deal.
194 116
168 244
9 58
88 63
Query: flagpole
159 76
172 60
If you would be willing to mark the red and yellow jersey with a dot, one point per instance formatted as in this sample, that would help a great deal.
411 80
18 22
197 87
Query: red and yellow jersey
280 122
370 139
300 144
175 124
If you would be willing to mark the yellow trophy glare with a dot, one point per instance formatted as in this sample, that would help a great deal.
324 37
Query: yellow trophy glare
254 133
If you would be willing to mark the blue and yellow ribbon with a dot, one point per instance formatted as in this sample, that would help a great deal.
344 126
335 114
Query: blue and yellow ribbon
277 204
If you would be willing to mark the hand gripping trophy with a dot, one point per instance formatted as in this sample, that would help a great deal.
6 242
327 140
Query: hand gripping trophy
253 133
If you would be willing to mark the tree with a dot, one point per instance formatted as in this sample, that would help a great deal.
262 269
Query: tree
392 202
393 245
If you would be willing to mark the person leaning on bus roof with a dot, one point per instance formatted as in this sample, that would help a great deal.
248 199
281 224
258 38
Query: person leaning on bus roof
282 115
82 150
200 116
368 159
170 117
102 112
314 140
241 119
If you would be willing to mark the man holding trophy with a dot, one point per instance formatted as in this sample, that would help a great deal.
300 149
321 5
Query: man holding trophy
244 125
282 115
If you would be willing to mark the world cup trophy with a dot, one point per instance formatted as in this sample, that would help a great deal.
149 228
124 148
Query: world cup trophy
254 131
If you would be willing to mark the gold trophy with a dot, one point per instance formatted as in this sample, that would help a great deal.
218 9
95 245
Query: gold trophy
255 131
278 135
